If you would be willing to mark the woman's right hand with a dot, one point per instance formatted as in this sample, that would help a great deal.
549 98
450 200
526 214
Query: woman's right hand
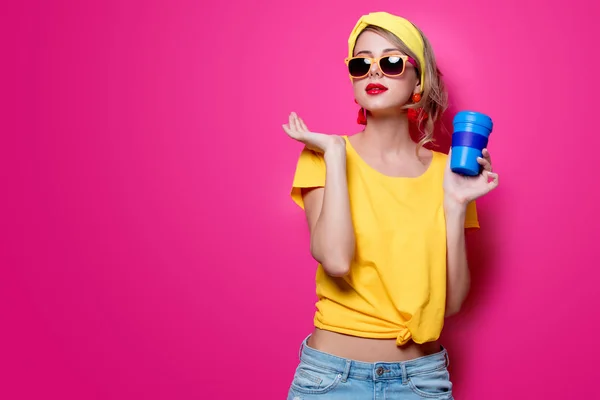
297 130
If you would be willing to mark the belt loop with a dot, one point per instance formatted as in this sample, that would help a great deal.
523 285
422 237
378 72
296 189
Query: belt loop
404 373
447 359
346 370
302 347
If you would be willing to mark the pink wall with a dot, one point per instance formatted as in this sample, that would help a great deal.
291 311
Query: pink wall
149 246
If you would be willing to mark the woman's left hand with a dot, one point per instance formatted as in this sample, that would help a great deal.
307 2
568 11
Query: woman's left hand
461 190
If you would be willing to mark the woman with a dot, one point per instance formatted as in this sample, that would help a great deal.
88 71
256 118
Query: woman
387 220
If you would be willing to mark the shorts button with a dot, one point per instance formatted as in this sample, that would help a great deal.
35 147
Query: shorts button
379 371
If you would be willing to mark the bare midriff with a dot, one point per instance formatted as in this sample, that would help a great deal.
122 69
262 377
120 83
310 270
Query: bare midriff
367 349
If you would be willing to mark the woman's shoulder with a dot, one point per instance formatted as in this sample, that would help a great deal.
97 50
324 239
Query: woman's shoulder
439 155
439 160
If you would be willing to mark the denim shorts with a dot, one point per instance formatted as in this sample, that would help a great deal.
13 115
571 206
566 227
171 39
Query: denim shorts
322 376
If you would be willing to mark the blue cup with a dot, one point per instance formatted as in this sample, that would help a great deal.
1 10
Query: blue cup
470 136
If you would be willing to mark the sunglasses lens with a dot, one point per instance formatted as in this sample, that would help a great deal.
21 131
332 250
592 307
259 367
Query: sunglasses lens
358 67
392 65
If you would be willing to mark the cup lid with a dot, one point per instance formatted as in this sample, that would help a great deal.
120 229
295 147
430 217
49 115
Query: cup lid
473 117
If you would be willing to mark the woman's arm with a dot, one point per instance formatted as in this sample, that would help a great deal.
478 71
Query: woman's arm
458 279
459 191
327 210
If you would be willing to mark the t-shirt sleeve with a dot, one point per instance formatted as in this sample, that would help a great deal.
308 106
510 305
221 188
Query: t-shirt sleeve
310 173
471 220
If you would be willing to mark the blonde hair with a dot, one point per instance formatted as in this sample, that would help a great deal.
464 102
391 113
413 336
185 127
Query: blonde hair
434 98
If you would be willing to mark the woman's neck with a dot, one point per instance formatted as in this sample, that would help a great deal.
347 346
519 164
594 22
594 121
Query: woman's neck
388 134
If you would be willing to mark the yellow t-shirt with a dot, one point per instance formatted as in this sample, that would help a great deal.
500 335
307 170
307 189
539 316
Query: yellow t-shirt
396 287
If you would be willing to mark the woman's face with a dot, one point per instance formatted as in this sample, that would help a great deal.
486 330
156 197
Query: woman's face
376 91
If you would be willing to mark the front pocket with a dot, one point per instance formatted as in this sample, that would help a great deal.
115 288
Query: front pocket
435 384
310 379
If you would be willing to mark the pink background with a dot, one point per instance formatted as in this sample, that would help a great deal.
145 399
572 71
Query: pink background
149 246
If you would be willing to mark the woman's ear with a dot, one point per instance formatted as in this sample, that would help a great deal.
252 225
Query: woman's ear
417 88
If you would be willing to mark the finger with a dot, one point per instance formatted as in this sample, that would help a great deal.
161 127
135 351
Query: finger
485 164
291 121
302 125
493 184
286 128
486 155
296 125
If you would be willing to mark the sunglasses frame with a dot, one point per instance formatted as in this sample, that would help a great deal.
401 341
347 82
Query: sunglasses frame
404 58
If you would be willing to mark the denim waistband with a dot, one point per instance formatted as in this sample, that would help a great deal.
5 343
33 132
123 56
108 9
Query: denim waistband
374 371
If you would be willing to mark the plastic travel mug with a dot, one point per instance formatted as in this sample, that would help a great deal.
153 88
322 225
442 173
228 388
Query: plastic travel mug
470 136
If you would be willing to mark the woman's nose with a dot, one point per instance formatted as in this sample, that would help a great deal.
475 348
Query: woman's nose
375 70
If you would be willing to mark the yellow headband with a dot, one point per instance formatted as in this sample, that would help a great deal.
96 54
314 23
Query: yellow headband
400 27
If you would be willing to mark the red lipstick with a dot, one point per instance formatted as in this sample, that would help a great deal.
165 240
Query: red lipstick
375 88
